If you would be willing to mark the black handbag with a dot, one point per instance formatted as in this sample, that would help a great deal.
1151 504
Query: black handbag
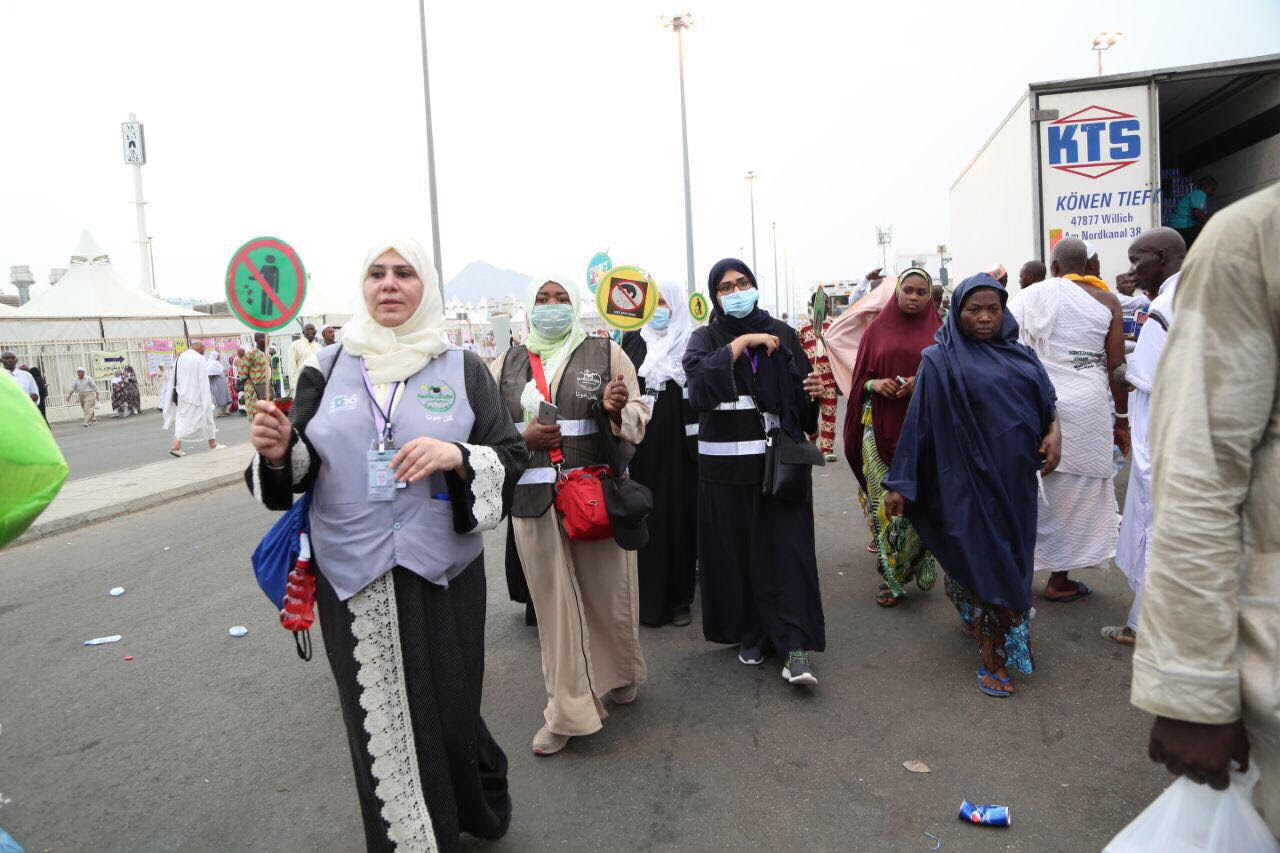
787 467
629 503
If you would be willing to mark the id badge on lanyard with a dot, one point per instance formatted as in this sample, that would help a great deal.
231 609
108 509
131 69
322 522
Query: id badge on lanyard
382 484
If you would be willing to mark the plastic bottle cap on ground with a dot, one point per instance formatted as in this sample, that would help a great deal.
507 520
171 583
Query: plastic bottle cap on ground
117 591
238 631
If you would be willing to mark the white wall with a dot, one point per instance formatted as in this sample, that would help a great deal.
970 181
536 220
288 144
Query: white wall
992 209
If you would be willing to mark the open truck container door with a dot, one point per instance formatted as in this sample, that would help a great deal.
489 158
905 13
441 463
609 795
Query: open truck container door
1106 158
1099 169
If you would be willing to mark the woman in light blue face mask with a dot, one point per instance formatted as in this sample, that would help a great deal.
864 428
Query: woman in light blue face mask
583 592
667 462
748 373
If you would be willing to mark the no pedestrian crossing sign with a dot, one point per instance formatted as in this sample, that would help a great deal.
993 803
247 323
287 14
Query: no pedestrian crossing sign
266 284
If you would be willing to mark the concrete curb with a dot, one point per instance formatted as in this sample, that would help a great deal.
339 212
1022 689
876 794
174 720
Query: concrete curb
41 529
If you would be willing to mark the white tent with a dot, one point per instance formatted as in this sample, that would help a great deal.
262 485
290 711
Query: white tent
92 288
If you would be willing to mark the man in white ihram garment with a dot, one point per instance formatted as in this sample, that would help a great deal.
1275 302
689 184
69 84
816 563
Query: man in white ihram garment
1157 263
192 415
1074 324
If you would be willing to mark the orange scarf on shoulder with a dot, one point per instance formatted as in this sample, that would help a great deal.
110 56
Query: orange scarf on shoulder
1091 280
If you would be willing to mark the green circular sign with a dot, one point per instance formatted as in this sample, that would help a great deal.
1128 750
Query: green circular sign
266 284
698 307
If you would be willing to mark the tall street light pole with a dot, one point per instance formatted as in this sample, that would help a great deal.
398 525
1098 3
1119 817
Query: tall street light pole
751 191
777 299
680 23
431 149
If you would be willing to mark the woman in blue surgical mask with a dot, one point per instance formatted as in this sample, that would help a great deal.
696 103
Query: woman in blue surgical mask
748 374
584 593
667 563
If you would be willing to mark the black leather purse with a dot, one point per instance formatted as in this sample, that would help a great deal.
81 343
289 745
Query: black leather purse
787 467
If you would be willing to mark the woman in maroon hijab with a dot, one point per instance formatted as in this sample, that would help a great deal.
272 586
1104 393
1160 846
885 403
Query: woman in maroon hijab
884 377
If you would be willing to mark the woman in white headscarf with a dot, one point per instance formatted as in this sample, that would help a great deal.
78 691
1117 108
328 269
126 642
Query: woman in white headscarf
410 454
667 462
584 593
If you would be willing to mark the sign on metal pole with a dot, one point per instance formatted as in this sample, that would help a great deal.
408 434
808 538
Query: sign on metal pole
135 146
266 284
596 268
698 307
627 297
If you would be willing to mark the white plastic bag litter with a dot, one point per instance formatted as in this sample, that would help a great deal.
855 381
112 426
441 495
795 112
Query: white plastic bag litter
1191 818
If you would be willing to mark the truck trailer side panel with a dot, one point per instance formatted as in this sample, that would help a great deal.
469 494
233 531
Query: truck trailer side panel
992 203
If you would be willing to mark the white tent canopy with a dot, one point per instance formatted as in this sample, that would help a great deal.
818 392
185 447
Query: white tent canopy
92 288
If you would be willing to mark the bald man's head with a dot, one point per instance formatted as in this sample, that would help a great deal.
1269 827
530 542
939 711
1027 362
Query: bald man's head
1070 257
1155 256
1032 272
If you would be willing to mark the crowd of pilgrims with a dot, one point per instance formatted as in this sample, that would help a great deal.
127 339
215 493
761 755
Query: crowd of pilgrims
951 430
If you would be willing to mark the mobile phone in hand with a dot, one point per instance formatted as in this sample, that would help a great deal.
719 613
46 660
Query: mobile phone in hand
547 413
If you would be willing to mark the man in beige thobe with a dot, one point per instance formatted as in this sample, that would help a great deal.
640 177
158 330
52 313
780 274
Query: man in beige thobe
87 391
1207 662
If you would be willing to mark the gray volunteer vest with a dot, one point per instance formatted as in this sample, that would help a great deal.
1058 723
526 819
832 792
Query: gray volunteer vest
583 382
356 540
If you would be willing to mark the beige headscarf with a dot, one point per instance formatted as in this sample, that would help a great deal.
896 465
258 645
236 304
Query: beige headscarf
393 355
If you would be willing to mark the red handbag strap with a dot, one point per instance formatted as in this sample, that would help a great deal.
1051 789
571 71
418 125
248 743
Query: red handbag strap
540 379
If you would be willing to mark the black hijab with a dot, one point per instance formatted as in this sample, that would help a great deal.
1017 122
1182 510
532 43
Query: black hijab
778 377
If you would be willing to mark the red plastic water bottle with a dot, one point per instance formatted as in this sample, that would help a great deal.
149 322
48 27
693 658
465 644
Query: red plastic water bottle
298 612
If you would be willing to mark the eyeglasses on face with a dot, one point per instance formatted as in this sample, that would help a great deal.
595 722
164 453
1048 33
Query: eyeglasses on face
730 285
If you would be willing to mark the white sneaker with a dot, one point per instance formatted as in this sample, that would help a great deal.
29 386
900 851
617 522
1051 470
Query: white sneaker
218 447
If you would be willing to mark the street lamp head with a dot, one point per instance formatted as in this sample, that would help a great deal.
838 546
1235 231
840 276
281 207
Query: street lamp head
1104 40
751 176
678 22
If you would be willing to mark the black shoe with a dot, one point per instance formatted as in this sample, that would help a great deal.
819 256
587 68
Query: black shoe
680 617
752 655
530 618
797 669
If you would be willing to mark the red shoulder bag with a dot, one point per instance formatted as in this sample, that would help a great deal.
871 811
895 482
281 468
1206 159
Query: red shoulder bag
579 493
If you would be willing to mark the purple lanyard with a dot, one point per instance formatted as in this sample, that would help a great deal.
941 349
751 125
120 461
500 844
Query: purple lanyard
754 358
381 419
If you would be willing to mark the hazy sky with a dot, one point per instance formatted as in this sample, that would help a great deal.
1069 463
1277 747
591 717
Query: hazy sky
557 124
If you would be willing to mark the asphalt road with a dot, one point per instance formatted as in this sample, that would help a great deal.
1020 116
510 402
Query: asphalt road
209 743
118 443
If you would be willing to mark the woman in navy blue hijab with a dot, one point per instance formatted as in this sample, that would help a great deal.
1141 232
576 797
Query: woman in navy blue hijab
982 423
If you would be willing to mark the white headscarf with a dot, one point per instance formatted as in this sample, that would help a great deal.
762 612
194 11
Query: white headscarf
214 364
665 349
393 355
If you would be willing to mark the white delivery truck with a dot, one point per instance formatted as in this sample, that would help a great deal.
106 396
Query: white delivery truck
1105 158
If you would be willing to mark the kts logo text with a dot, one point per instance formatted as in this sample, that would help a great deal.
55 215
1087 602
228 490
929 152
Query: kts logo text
1094 142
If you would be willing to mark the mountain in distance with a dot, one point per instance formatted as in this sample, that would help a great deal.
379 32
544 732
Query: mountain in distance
479 281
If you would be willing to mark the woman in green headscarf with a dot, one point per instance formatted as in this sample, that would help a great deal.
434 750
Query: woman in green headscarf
584 594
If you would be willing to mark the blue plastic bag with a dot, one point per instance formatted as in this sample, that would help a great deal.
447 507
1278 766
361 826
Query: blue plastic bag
278 551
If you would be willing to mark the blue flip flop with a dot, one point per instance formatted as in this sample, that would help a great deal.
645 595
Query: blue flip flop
999 694
1082 589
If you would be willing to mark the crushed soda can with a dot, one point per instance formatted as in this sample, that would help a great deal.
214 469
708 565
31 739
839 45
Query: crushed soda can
985 815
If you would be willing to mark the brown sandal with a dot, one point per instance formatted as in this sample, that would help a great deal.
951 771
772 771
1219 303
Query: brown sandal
885 596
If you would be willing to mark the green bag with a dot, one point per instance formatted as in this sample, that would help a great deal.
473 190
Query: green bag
31 465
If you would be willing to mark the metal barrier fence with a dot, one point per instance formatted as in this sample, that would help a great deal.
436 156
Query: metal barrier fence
59 360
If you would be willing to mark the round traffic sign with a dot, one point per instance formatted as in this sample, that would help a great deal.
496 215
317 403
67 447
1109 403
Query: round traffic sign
627 297
698 307
266 284
596 268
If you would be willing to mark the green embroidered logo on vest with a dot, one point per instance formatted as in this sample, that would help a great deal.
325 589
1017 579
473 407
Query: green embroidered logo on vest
437 398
